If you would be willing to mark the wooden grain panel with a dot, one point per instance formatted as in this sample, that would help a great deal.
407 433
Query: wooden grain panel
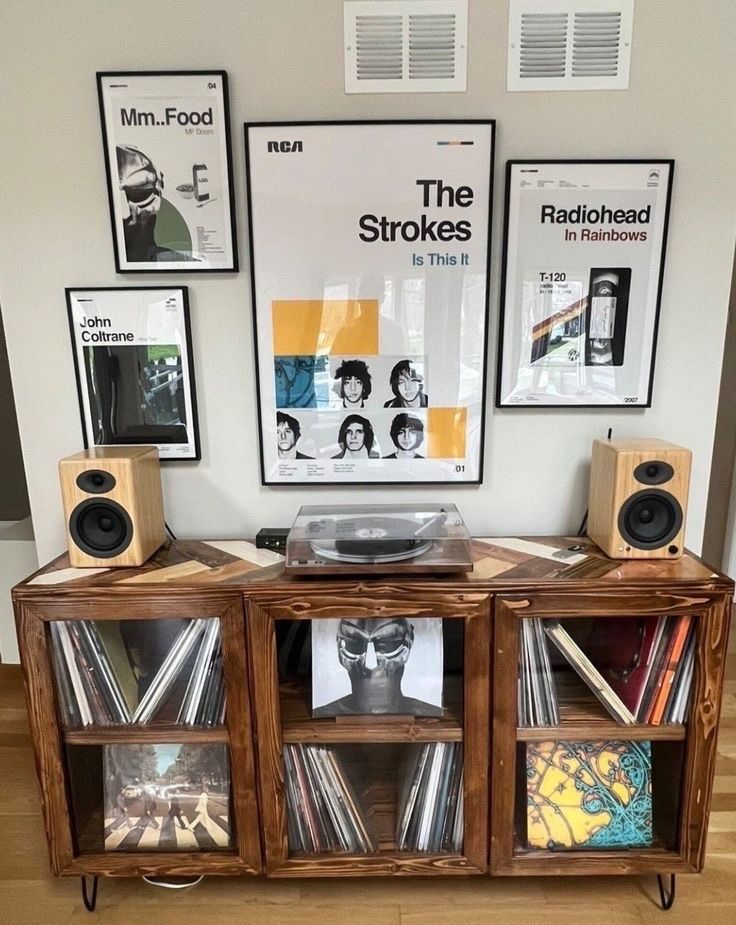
594 863
299 726
372 865
242 762
171 574
598 730
383 601
170 732
700 755
42 716
139 864
503 739
607 603
597 587
267 716
526 570
476 672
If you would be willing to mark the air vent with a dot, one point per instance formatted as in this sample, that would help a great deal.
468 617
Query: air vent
569 44
405 46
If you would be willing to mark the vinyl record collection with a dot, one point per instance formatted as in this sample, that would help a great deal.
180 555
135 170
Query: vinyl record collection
536 686
431 814
323 812
98 681
640 669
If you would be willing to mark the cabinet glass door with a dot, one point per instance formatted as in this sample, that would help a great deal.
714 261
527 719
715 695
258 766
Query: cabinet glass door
141 702
378 714
126 672
606 729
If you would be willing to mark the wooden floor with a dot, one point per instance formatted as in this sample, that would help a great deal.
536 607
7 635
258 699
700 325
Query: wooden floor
28 893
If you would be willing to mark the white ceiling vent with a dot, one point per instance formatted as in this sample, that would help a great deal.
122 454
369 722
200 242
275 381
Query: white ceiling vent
405 46
570 44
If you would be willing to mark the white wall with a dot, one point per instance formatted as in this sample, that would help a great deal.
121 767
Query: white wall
285 62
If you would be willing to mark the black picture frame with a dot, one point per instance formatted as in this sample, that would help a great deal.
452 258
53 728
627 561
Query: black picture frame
288 125
632 402
80 374
112 185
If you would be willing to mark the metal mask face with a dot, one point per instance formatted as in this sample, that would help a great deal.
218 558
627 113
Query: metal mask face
368 647
141 185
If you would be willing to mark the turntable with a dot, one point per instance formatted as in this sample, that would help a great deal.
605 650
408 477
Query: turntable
378 539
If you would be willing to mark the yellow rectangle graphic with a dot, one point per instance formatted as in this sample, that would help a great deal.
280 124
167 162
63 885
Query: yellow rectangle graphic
447 429
308 327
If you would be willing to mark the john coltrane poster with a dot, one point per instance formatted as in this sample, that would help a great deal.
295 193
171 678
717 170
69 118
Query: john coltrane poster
583 264
167 153
370 250
135 374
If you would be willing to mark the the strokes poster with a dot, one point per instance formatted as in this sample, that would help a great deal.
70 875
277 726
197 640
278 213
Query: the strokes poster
370 246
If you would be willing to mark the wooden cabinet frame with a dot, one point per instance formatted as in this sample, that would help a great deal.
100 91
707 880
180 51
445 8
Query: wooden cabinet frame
713 613
131 604
197 579
471 607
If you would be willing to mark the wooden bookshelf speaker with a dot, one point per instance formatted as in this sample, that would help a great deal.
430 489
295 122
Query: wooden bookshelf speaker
638 498
113 505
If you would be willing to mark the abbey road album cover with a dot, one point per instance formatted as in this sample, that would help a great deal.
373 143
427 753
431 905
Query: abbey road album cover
173 797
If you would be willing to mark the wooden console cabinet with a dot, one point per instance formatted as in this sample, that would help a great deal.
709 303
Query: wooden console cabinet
269 707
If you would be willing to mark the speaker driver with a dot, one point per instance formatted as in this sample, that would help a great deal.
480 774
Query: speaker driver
650 519
101 528
653 472
96 481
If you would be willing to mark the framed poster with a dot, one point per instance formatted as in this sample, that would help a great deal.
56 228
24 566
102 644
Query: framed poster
370 256
584 246
166 136
133 362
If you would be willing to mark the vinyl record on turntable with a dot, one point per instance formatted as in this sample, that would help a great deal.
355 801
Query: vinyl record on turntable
365 538
373 539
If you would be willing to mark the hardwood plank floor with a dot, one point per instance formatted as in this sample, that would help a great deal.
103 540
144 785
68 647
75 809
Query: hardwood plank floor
29 895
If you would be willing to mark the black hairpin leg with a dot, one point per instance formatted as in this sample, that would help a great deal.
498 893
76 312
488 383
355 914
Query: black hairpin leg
89 901
666 898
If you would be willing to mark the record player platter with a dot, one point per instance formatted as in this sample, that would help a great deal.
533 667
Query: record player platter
367 551
374 539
